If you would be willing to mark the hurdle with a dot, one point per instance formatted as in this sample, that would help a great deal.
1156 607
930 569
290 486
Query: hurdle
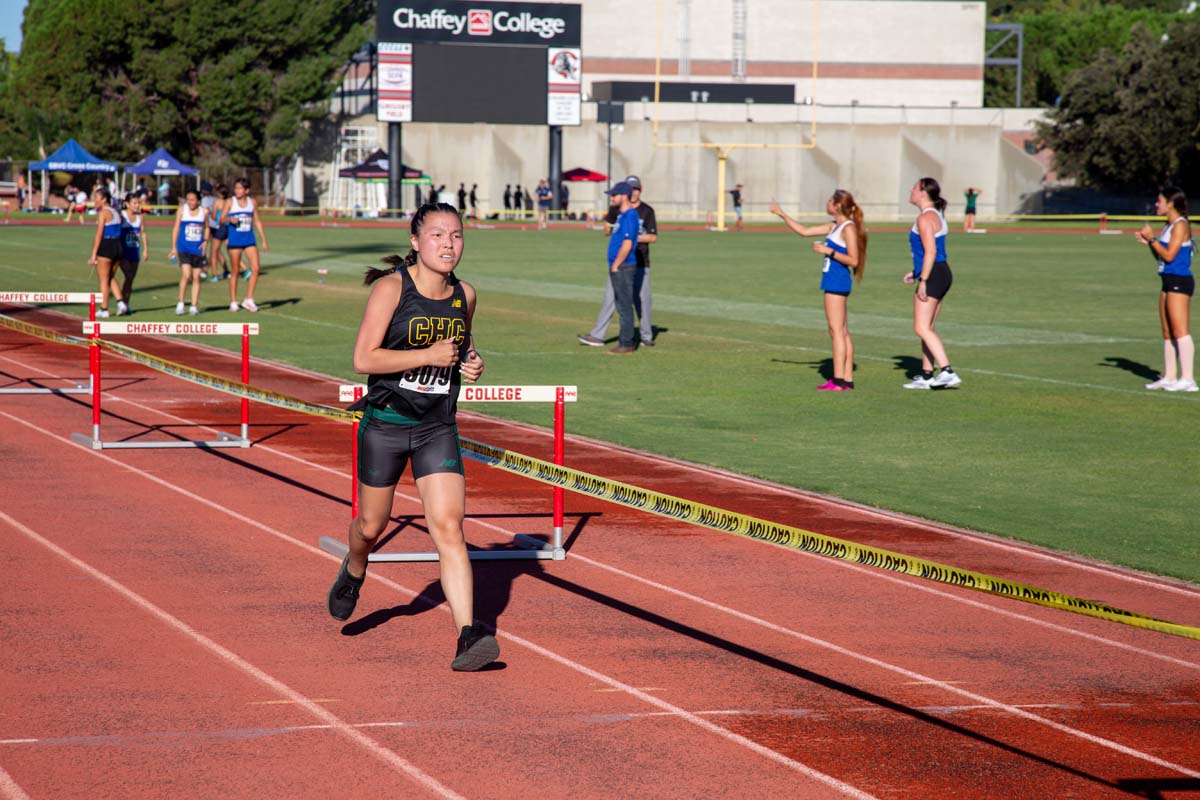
95 329
59 298
531 548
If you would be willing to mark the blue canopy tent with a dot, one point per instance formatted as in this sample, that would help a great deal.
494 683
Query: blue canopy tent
71 157
160 162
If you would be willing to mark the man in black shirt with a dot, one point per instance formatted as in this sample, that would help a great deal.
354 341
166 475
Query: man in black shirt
647 235
507 200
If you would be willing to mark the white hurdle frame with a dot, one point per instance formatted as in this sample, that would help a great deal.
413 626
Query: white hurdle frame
57 298
531 548
94 329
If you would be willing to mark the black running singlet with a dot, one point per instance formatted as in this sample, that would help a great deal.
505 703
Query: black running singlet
424 394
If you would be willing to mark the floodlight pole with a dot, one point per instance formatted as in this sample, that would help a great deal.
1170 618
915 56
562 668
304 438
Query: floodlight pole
555 174
395 170
722 157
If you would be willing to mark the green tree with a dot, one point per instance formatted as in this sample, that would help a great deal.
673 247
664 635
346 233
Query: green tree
1132 121
212 84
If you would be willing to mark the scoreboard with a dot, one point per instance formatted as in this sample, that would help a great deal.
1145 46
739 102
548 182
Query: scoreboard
475 61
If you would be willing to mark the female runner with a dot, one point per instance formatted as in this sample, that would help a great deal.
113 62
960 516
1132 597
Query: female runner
133 246
415 345
931 272
1173 249
106 250
241 215
189 236
845 251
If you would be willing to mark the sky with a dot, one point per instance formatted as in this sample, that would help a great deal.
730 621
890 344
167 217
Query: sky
11 13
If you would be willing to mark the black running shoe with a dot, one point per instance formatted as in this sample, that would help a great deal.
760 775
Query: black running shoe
343 595
476 649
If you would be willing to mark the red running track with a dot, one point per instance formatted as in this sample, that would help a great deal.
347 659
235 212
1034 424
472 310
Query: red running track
166 635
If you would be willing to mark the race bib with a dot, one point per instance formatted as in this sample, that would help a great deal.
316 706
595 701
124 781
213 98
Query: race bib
426 380
131 239
243 224
193 233
828 263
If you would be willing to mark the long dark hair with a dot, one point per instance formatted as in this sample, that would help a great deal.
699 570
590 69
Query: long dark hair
931 187
1175 198
843 201
395 262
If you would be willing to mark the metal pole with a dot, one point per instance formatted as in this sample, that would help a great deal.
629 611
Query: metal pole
722 155
246 382
395 170
555 167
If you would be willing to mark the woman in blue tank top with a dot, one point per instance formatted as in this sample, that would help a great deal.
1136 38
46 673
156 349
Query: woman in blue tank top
106 250
241 216
415 345
1172 248
931 273
845 251
133 245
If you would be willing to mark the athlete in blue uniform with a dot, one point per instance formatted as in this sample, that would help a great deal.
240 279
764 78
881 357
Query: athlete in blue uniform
845 251
1172 248
415 345
931 272
106 250
133 246
241 216
189 236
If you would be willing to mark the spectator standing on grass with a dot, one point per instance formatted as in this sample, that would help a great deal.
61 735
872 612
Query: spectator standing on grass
164 194
528 205
22 192
189 239
622 263
1173 248
106 250
462 199
474 200
845 249
241 215
931 273
518 201
647 235
564 197
508 196
736 191
972 195
409 415
543 204
133 246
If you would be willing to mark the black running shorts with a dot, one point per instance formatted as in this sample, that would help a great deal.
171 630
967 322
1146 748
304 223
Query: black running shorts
1180 284
939 280
384 448
196 260
110 249
220 232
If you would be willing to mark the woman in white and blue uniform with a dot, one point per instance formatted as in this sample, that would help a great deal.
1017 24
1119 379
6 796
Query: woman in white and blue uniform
1172 248
845 251
931 273
189 236
241 217
133 245
106 249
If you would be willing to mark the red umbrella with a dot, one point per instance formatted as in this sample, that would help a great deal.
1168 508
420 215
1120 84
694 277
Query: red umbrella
581 174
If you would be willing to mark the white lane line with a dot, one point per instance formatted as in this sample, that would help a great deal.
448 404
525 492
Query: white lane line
10 788
232 659
321 713
875 574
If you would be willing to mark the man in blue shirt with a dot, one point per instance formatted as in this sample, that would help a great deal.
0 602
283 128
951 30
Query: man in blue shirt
622 262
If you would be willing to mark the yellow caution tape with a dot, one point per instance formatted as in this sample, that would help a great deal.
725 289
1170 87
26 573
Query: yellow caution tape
665 505
720 519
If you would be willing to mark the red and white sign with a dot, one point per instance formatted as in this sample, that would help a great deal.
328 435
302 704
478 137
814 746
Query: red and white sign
48 297
479 22
564 76
172 328
349 392
394 100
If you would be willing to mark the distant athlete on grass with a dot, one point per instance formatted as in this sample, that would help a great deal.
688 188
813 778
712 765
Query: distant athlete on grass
241 216
133 245
189 239
931 273
415 345
1173 248
106 250
845 251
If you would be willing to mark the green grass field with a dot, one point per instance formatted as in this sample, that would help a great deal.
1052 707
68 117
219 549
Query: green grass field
1050 440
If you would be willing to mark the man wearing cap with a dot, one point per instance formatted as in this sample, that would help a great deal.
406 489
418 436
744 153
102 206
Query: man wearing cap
622 263
647 235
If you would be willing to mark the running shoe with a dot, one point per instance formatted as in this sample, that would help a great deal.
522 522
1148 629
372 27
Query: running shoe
179 308
226 275
233 306
193 311
343 595
647 343
249 305
589 340
945 380
829 386
1182 385
122 308
476 649
102 313
245 274
1161 383
919 382
203 274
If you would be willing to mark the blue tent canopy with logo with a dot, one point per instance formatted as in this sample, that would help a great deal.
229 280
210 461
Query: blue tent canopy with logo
160 162
71 157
